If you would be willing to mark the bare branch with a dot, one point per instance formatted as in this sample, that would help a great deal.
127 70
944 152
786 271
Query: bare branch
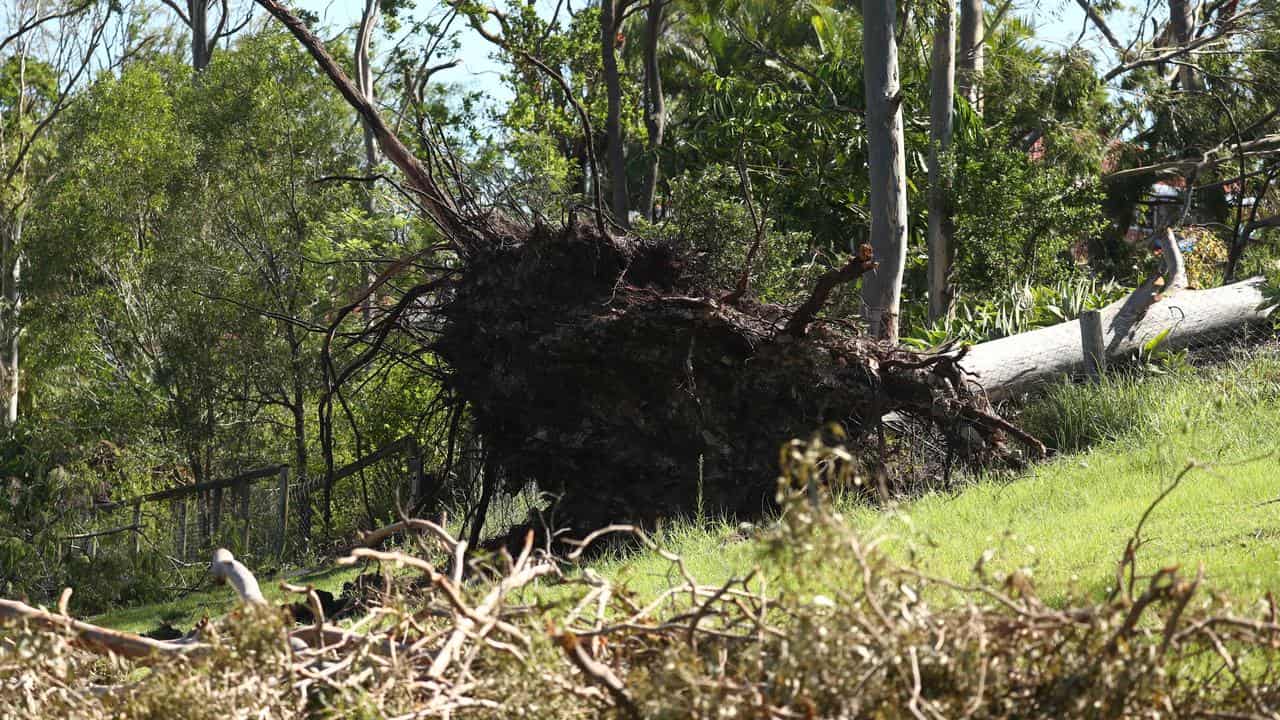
799 322
439 206
1101 24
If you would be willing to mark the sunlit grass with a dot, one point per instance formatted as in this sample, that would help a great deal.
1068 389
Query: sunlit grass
1067 521
184 612
1064 522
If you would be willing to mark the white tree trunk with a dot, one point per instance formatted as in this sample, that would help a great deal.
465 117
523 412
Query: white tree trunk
1009 365
1182 22
10 325
941 123
364 82
655 106
882 288
614 138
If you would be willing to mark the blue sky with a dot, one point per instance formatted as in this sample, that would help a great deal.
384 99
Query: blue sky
1057 22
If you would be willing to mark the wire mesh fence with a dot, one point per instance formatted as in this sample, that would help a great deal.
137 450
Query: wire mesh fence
374 491
266 514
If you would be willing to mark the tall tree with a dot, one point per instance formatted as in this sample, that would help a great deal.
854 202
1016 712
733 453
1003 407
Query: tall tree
882 288
48 55
611 13
971 62
655 105
941 121
195 15
364 82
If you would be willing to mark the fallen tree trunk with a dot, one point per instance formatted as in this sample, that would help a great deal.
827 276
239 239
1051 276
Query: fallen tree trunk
1005 367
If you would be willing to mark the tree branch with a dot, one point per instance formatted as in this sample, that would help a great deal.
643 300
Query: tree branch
439 207
853 269
1101 24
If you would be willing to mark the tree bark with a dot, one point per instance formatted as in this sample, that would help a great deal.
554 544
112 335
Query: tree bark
1183 25
972 33
10 330
364 81
882 288
1014 364
201 48
609 24
655 104
941 123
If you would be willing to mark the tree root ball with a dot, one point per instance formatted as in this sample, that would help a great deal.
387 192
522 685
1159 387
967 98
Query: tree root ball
598 368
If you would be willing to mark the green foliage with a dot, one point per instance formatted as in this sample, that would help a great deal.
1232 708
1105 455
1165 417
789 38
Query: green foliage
711 227
188 248
1019 220
1021 308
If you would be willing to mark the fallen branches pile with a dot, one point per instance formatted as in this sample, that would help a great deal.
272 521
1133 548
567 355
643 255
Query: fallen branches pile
538 636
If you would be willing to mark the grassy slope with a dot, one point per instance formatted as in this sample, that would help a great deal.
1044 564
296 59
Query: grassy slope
1068 520
185 611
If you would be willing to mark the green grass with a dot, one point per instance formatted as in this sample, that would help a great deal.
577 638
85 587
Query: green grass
185 611
1065 522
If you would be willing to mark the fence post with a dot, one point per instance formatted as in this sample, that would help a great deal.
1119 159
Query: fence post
283 523
417 491
215 511
137 528
1091 342
180 511
244 512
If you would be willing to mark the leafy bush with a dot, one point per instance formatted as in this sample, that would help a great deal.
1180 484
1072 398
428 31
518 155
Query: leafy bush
709 223
1021 308
1018 220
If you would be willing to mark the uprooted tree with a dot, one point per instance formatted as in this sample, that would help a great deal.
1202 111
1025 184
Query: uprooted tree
603 368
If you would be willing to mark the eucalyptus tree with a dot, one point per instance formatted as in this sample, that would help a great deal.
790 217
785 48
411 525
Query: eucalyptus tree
886 161
48 52
655 103
942 76
971 52
208 28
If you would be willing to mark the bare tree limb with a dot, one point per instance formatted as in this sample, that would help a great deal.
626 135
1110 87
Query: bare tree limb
226 568
1100 23
439 206
804 315
92 637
